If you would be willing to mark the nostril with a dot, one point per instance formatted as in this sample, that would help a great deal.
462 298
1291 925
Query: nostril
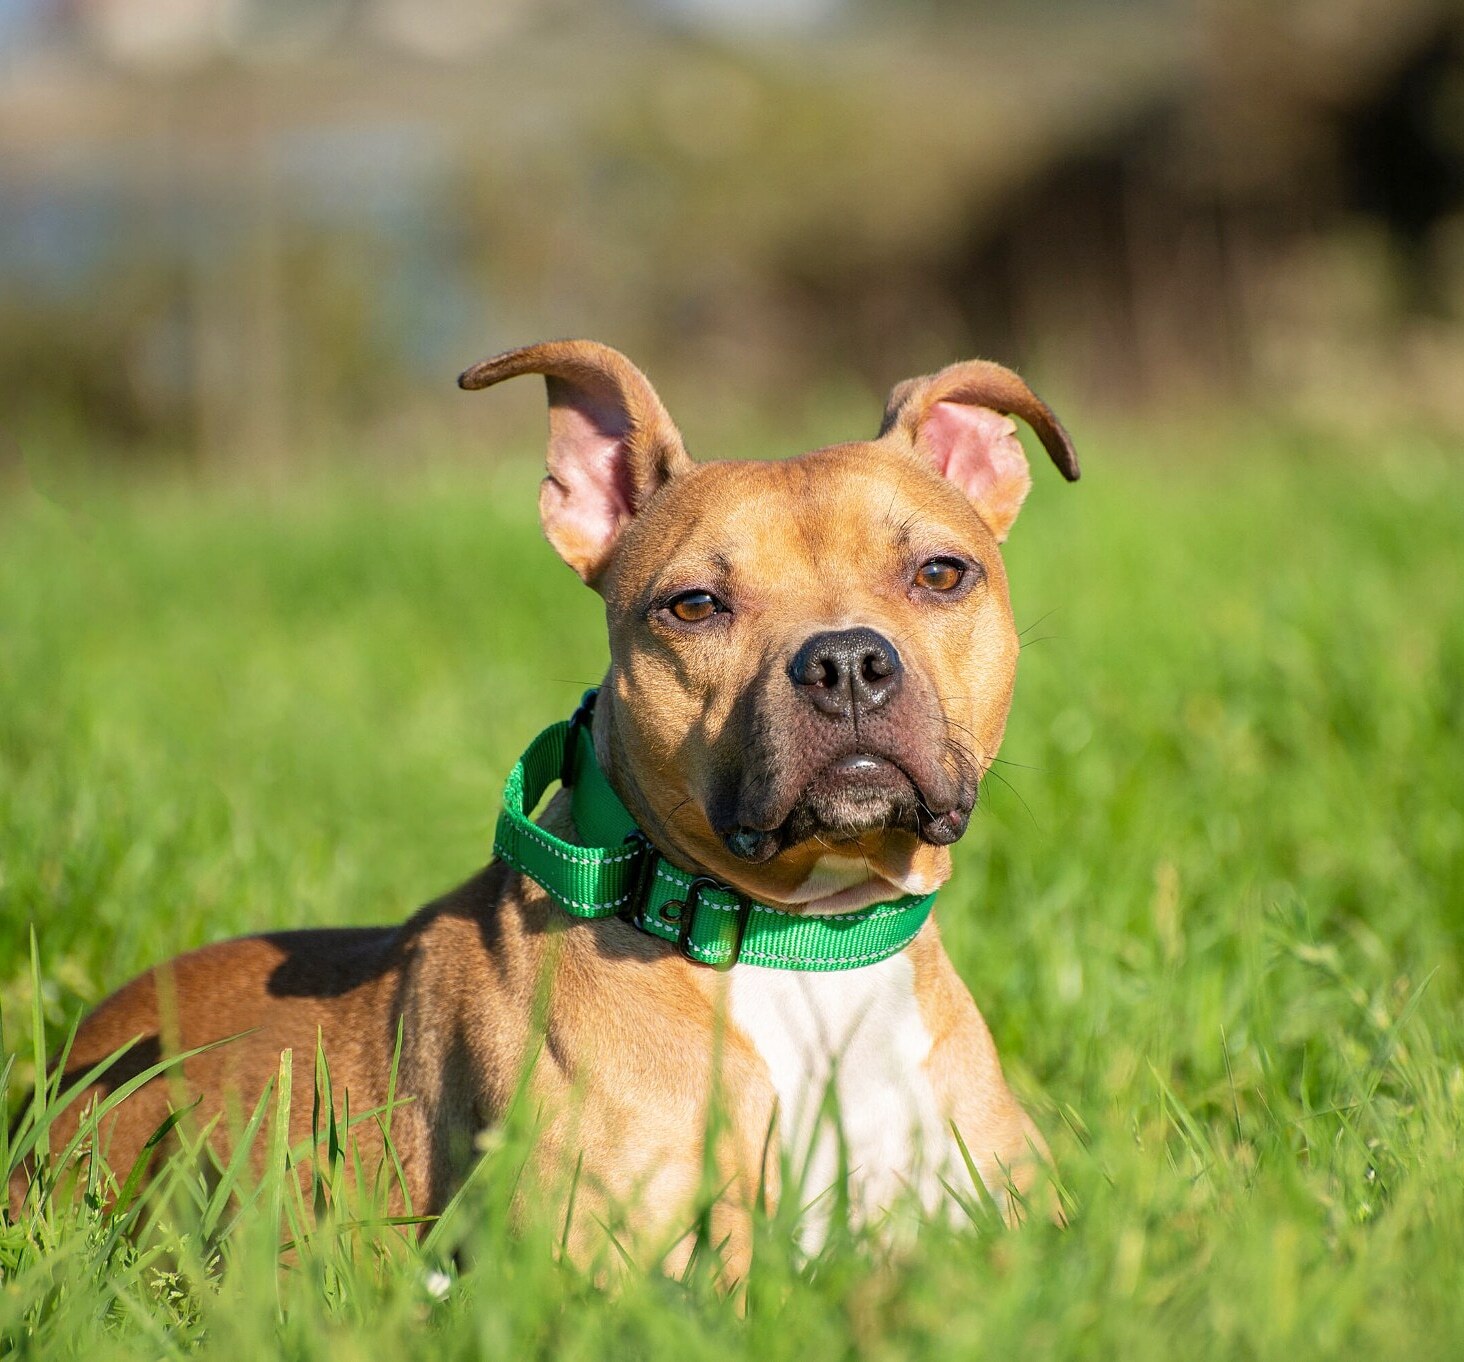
877 666
818 671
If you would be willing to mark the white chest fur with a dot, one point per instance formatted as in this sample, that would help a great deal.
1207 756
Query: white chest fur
858 1035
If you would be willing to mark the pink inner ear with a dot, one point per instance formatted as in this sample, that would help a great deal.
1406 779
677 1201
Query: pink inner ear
588 499
978 450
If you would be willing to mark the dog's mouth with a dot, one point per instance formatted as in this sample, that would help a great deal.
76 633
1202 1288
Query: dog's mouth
845 801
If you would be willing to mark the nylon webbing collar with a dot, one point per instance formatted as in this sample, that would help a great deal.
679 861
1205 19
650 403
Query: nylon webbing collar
620 873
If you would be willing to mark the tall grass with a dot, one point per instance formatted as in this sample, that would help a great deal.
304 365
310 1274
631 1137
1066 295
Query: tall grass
1212 908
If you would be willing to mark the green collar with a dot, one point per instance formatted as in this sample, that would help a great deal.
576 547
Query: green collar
620 873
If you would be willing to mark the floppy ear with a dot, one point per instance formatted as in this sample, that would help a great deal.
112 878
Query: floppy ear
611 444
958 419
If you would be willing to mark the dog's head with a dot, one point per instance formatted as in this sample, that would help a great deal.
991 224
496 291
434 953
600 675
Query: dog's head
811 660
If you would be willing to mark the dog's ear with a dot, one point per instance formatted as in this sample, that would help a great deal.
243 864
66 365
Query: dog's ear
611 443
958 419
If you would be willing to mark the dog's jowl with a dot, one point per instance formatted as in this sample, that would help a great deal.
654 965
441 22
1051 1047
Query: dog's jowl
811 662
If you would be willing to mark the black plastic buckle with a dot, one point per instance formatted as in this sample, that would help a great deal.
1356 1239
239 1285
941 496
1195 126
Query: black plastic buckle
582 716
634 911
685 916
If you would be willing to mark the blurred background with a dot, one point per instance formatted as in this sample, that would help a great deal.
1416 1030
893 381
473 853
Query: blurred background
236 232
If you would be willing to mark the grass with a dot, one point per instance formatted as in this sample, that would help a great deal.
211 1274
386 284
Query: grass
1213 911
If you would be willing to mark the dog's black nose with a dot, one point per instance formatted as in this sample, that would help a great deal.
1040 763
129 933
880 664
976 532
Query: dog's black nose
845 673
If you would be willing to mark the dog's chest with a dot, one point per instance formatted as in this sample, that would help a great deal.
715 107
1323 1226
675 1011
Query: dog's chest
857 1037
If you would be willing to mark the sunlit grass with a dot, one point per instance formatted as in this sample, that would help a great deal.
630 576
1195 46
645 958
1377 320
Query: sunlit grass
1213 910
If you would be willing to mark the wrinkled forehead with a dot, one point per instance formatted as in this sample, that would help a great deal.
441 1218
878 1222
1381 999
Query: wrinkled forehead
819 520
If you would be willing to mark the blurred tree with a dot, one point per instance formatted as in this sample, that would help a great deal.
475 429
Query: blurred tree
234 224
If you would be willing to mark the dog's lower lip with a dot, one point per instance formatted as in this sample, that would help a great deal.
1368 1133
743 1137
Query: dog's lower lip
752 844
855 795
944 828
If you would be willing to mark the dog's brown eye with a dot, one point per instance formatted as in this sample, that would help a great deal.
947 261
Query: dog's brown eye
941 574
694 606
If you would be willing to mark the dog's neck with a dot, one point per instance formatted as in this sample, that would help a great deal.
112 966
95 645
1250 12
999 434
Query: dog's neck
837 884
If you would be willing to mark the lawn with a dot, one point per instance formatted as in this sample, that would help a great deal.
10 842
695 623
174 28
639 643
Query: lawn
1213 908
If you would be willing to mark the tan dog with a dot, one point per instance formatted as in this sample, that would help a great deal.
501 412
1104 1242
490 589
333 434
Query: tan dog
811 663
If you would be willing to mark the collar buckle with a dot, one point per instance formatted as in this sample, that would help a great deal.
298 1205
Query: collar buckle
685 919
679 913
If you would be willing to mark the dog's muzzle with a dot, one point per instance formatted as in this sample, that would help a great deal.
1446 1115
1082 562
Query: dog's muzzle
845 743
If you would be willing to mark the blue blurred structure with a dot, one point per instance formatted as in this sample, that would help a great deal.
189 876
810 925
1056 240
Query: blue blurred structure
233 226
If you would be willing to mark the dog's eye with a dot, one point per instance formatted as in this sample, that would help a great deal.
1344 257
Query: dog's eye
941 574
692 607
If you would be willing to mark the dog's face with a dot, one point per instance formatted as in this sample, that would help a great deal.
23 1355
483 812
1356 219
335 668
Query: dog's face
811 663
811 660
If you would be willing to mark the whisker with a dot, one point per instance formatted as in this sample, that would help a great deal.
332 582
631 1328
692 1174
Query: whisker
1022 633
664 823
994 761
1021 799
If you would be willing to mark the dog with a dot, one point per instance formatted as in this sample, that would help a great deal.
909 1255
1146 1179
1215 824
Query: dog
811 665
